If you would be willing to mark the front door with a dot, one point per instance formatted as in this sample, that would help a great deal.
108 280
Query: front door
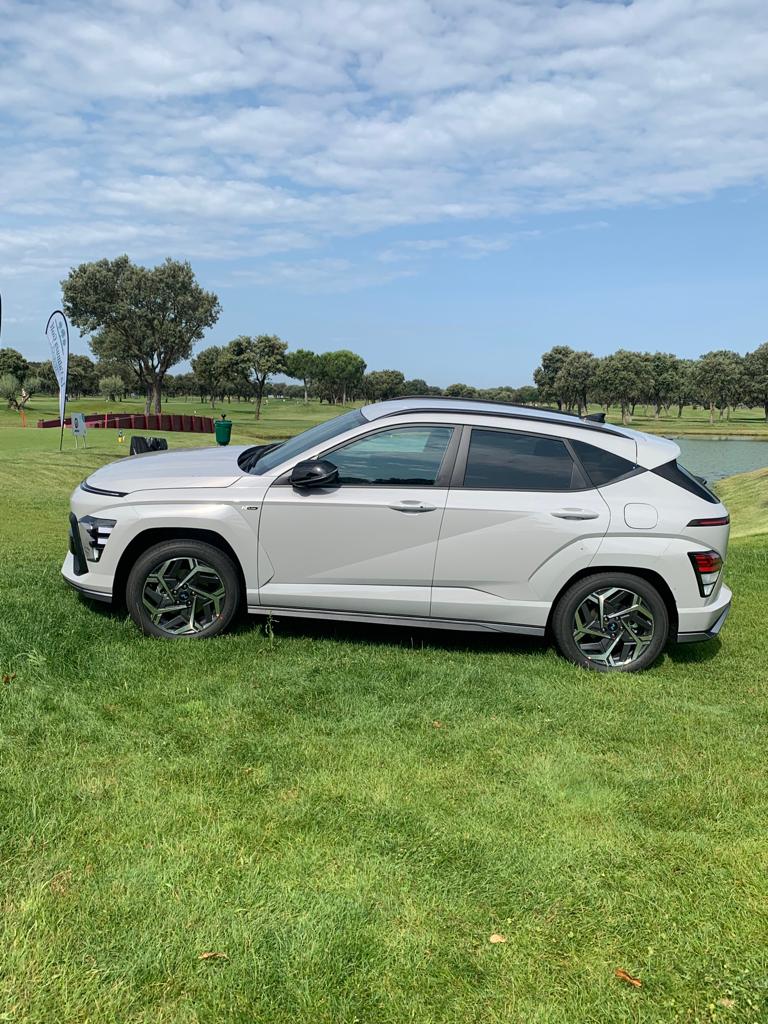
520 519
369 544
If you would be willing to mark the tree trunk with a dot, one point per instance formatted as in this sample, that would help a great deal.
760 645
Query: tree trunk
711 412
306 398
258 404
148 401
680 409
157 398
656 412
624 413
765 410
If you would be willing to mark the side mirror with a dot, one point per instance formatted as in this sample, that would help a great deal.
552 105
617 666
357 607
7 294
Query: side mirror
314 473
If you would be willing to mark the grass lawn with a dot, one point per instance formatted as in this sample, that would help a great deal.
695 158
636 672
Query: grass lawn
349 814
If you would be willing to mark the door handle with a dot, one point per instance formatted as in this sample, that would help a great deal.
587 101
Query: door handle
413 506
575 513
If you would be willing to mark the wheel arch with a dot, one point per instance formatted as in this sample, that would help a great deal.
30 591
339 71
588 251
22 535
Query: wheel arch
155 535
649 575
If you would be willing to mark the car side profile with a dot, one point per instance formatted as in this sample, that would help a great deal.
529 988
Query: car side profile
446 513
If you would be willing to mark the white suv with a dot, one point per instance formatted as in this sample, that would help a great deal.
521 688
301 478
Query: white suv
418 512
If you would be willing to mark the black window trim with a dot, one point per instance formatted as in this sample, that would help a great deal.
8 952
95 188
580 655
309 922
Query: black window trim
444 473
635 471
460 467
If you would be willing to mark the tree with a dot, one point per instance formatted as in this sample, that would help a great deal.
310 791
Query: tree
664 380
10 390
380 385
340 375
263 356
683 385
545 376
302 365
417 386
527 394
574 380
14 363
461 391
82 377
717 380
112 388
755 385
208 369
150 318
622 378
46 378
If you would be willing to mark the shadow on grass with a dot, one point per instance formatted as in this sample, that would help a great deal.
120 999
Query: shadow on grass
416 637
690 654
375 634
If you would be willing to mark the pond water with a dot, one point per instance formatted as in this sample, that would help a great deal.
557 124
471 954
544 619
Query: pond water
716 457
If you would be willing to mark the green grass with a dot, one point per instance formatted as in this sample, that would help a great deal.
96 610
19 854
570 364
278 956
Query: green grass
349 814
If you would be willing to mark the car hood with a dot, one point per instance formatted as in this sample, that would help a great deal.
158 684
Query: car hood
195 467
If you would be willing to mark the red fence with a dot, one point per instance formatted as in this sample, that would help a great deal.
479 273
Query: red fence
140 421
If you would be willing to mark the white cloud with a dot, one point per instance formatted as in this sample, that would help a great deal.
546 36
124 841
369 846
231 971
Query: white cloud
240 129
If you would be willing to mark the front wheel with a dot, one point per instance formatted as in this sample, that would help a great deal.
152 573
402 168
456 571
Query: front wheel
611 622
183 588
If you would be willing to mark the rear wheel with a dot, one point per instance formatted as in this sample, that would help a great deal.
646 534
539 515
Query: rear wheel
611 622
183 588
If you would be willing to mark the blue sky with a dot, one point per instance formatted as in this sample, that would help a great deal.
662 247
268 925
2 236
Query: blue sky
447 188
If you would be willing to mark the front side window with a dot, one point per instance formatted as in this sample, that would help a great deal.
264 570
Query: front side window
256 462
500 460
401 457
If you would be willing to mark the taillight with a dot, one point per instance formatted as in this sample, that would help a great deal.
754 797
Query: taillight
713 521
706 566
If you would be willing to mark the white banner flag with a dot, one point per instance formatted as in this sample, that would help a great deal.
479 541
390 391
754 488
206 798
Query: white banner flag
57 331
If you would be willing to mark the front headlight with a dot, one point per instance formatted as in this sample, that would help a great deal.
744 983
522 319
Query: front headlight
95 533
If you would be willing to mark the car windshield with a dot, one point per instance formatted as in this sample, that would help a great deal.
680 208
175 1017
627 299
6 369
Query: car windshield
275 455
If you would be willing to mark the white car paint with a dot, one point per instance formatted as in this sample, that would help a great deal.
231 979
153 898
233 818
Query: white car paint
495 559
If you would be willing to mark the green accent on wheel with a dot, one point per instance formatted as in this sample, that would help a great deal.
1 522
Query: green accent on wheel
183 596
613 627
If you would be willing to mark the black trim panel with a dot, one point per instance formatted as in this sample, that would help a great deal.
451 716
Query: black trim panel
704 634
76 547
94 595
421 622
85 486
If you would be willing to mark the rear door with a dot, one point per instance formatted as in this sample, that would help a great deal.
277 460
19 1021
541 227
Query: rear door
369 544
520 518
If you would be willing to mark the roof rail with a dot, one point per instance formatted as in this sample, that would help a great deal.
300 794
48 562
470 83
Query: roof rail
507 410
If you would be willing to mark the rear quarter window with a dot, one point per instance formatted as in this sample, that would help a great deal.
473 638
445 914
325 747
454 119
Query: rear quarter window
602 466
679 475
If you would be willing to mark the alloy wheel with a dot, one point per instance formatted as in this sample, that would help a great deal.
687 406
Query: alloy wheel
613 627
183 596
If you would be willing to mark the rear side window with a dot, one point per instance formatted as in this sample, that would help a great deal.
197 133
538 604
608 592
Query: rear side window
677 474
602 467
500 460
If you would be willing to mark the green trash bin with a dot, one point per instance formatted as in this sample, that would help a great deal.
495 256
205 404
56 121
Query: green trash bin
223 428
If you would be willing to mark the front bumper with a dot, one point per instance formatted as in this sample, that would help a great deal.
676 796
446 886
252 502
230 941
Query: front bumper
82 583
705 623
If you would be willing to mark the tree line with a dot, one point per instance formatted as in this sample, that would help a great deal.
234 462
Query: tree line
719 380
141 322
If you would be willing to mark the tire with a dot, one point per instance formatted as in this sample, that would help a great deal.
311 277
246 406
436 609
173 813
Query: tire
635 623
202 579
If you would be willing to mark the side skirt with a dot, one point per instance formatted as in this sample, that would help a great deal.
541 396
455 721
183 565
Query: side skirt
466 625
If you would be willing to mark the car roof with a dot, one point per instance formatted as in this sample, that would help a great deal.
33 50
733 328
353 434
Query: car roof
481 407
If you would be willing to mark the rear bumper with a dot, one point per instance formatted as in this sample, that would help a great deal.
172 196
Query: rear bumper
704 623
